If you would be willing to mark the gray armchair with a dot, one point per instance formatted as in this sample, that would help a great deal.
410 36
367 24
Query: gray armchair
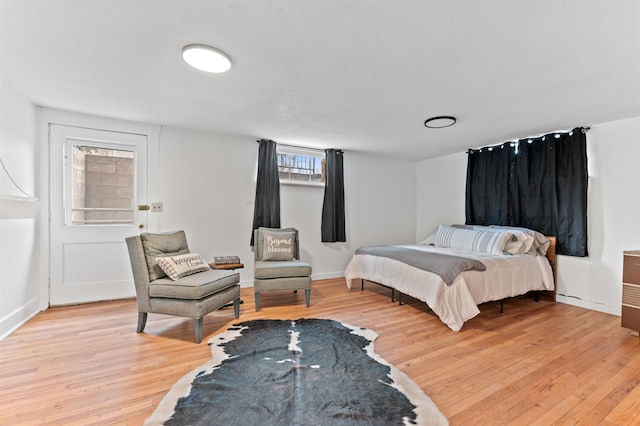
191 296
282 268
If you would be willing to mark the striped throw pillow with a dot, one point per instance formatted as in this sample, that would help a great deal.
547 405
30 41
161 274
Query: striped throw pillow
472 240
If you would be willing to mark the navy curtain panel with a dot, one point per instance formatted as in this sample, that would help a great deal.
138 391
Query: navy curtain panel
539 183
333 211
266 210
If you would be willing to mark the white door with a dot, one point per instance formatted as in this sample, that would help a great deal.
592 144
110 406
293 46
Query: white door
98 180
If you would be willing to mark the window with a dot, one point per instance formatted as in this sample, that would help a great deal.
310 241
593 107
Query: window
102 186
300 165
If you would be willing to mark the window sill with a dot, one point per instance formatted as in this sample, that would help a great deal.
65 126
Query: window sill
302 183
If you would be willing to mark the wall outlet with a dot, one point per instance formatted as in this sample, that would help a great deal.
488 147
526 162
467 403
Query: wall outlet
156 207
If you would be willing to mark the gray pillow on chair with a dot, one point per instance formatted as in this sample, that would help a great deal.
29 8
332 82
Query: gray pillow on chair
162 245
279 245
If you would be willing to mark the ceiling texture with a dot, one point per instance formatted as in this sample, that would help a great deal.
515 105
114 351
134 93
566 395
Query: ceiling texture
358 75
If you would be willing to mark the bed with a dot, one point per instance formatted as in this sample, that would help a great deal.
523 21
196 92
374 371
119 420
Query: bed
511 268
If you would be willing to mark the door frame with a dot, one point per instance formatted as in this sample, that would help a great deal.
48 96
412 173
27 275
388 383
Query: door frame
48 116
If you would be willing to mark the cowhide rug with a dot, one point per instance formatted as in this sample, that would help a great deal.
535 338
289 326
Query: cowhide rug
295 372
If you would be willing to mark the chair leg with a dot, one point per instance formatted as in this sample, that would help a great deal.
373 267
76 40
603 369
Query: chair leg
236 307
197 327
257 294
142 321
307 295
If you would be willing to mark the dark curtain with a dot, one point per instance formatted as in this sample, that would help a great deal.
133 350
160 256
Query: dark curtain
333 212
267 204
541 184
488 192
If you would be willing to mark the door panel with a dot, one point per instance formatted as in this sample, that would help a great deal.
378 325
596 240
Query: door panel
98 179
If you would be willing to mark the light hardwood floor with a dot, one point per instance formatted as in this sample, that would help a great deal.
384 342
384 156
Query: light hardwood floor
538 363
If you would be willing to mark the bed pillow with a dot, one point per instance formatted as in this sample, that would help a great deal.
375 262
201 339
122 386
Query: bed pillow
520 242
182 265
472 240
540 243
278 245
162 245
431 238
524 242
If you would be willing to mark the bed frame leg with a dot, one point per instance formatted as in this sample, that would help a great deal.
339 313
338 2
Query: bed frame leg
393 295
362 284
400 298
501 307
535 296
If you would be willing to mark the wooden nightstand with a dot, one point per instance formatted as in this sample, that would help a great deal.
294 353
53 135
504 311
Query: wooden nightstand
631 292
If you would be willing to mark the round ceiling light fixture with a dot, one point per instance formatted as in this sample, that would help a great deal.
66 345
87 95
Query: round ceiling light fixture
206 58
440 122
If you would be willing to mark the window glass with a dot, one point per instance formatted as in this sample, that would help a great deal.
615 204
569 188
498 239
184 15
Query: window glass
102 186
300 165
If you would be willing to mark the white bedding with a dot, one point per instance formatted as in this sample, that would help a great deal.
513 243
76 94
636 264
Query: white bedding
505 276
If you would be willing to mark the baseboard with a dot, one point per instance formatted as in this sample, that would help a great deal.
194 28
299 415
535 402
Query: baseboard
14 320
600 307
314 277
327 275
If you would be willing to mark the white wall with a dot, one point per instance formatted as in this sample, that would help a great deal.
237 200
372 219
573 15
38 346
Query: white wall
593 282
18 214
379 208
207 187
440 192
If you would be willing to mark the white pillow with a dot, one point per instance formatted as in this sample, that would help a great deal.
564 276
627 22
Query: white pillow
182 265
526 240
472 240
540 243
520 242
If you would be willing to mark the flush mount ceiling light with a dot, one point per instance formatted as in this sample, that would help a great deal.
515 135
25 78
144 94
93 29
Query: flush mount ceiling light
440 122
206 58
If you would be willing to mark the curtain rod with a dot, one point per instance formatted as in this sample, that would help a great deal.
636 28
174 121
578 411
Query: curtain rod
584 129
300 147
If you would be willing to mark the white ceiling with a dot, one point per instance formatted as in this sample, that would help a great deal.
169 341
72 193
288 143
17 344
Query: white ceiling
360 75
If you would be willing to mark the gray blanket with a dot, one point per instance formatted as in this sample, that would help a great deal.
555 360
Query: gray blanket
447 267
